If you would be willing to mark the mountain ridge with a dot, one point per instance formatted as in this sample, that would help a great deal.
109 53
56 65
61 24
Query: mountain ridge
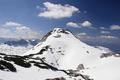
71 58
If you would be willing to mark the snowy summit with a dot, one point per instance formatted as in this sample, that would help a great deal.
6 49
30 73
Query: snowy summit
62 50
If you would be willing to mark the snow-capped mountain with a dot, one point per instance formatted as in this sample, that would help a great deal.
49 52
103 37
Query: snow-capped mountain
17 47
62 52
14 50
62 49
22 42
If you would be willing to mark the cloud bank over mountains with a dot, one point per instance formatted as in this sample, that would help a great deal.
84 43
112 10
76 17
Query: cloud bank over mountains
17 31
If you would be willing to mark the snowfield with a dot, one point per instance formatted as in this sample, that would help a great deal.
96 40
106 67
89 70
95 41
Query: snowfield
61 49
67 51
14 50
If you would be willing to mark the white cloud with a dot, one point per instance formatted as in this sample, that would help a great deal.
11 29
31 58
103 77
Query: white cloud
57 11
86 24
11 24
82 34
72 24
102 28
115 27
108 37
105 32
17 31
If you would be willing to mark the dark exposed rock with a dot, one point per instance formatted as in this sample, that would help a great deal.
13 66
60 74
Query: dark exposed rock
44 49
80 67
104 55
39 53
45 37
117 55
59 78
28 61
24 61
58 36
7 66
58 31
87 52
63 31
18 60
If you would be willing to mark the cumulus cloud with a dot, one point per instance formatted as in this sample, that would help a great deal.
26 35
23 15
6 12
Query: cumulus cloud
17 31
72 24
57 11
86 24
105 32
104 38
11 24
115 27
106 41
102 28
108 37
82 34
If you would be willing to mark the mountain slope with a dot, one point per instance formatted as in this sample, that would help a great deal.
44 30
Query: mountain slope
65 51
14 50
63 56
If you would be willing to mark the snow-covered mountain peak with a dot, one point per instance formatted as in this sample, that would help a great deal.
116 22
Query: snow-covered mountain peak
57 33
60 30
62 49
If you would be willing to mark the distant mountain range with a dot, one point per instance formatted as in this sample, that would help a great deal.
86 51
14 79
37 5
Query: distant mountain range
22 42
61 56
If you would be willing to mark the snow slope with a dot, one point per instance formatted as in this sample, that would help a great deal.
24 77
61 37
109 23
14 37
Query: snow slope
14 50
66 51
30 74
61 49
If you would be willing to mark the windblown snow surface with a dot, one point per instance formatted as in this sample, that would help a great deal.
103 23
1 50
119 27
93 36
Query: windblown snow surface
14 50
61 49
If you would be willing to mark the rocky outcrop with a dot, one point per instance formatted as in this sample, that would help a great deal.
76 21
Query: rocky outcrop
7 63
59 78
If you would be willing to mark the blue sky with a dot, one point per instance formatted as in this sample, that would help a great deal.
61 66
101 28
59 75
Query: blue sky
91 20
